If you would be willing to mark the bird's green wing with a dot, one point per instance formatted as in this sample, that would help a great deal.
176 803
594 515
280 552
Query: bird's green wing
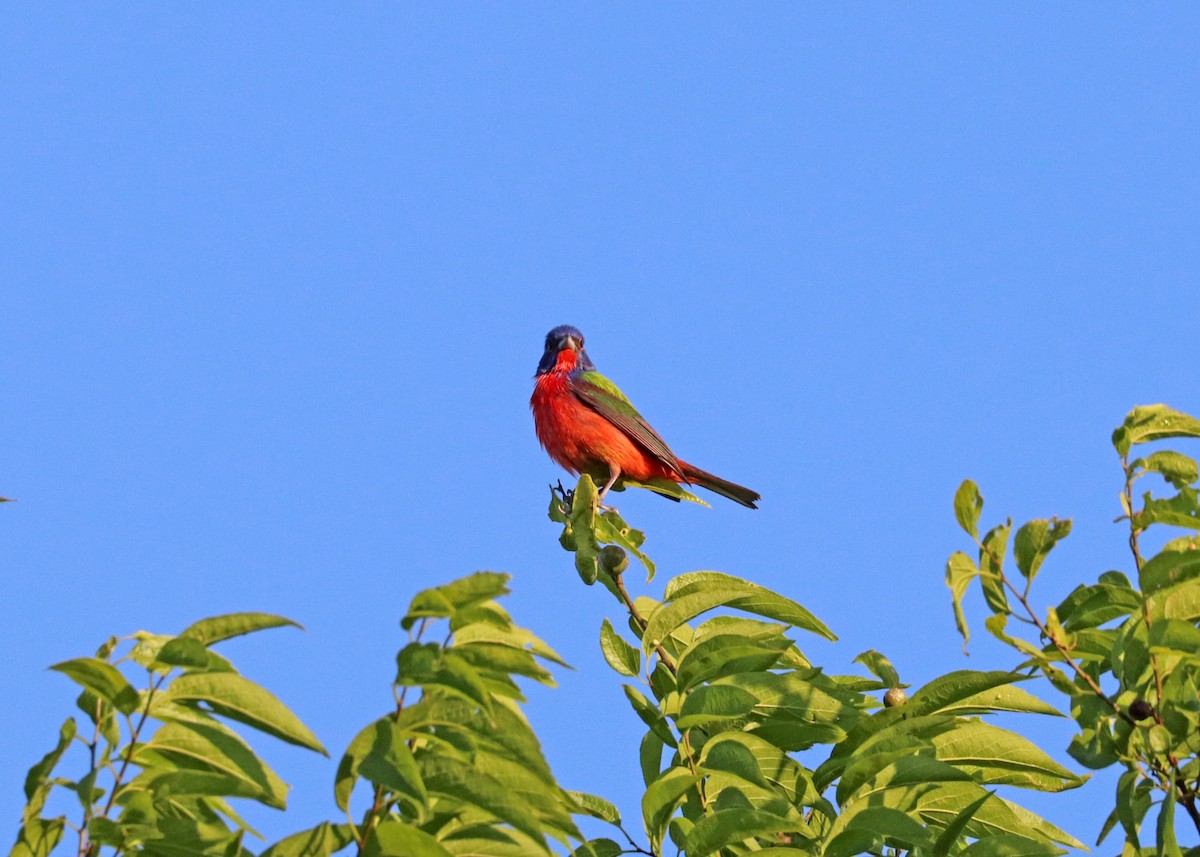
606 399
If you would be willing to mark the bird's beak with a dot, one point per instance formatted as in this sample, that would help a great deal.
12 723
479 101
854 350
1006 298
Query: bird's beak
572 343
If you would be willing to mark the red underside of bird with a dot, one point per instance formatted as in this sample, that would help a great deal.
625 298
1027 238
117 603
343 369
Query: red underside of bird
588 426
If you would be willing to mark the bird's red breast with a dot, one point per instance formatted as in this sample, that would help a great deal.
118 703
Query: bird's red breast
578 438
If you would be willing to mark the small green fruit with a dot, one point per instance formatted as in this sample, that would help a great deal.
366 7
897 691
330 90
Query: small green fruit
613 559
895 697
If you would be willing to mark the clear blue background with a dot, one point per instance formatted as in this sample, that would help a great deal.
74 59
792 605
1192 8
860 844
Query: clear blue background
275 281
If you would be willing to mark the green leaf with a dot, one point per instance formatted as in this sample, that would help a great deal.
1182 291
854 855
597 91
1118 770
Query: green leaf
105 831
1180 601
610 528
319 841
461 781
209 745
390 763
102 679
1182 510
953 832
501 662
719 655
38 837
690 595
233 696
716 830
441 602
218 628
1038 828
873 826
660 799
619 654
1035 540
598 848
596 807
39 772
166 784
968 505
944 693
1133 802
1012 845
991 567
960 571
583 524
356 751
428 665
551 808
190 836
730 756
1002 698
650 756
995 756
715 703
517 638
1153 422
1178 469
1180 543
183 652
1169 568
805 696
395 838
649 714
1092 606
907 784
879 666
996 624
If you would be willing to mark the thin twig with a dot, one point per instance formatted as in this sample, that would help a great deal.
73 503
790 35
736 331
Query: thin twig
1134 530
87 811
641 621
1045 632
378 804
137 730
1189 803
634 847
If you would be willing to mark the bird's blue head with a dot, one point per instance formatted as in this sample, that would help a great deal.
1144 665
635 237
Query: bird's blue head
564 337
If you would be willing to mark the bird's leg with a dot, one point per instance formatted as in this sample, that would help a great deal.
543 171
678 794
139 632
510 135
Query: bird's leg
614 475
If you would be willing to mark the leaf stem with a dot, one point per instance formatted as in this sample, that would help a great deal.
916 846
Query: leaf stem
134 733
634 848
1062 650
619 581
87 810
1134 530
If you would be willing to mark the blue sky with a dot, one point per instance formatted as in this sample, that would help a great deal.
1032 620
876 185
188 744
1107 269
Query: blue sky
275 281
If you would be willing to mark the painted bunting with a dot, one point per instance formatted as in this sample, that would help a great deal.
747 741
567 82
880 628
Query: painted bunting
588 426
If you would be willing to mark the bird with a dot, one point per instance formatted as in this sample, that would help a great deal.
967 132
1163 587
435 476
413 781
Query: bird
587 425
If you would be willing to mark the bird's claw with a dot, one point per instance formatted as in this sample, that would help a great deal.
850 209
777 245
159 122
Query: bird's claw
568 497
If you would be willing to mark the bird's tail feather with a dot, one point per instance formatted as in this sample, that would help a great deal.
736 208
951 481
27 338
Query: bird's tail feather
724 487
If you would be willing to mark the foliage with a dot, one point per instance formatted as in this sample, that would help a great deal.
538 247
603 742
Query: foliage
749 747
161 760
1126 658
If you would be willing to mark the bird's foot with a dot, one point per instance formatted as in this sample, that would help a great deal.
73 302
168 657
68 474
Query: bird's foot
568 497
